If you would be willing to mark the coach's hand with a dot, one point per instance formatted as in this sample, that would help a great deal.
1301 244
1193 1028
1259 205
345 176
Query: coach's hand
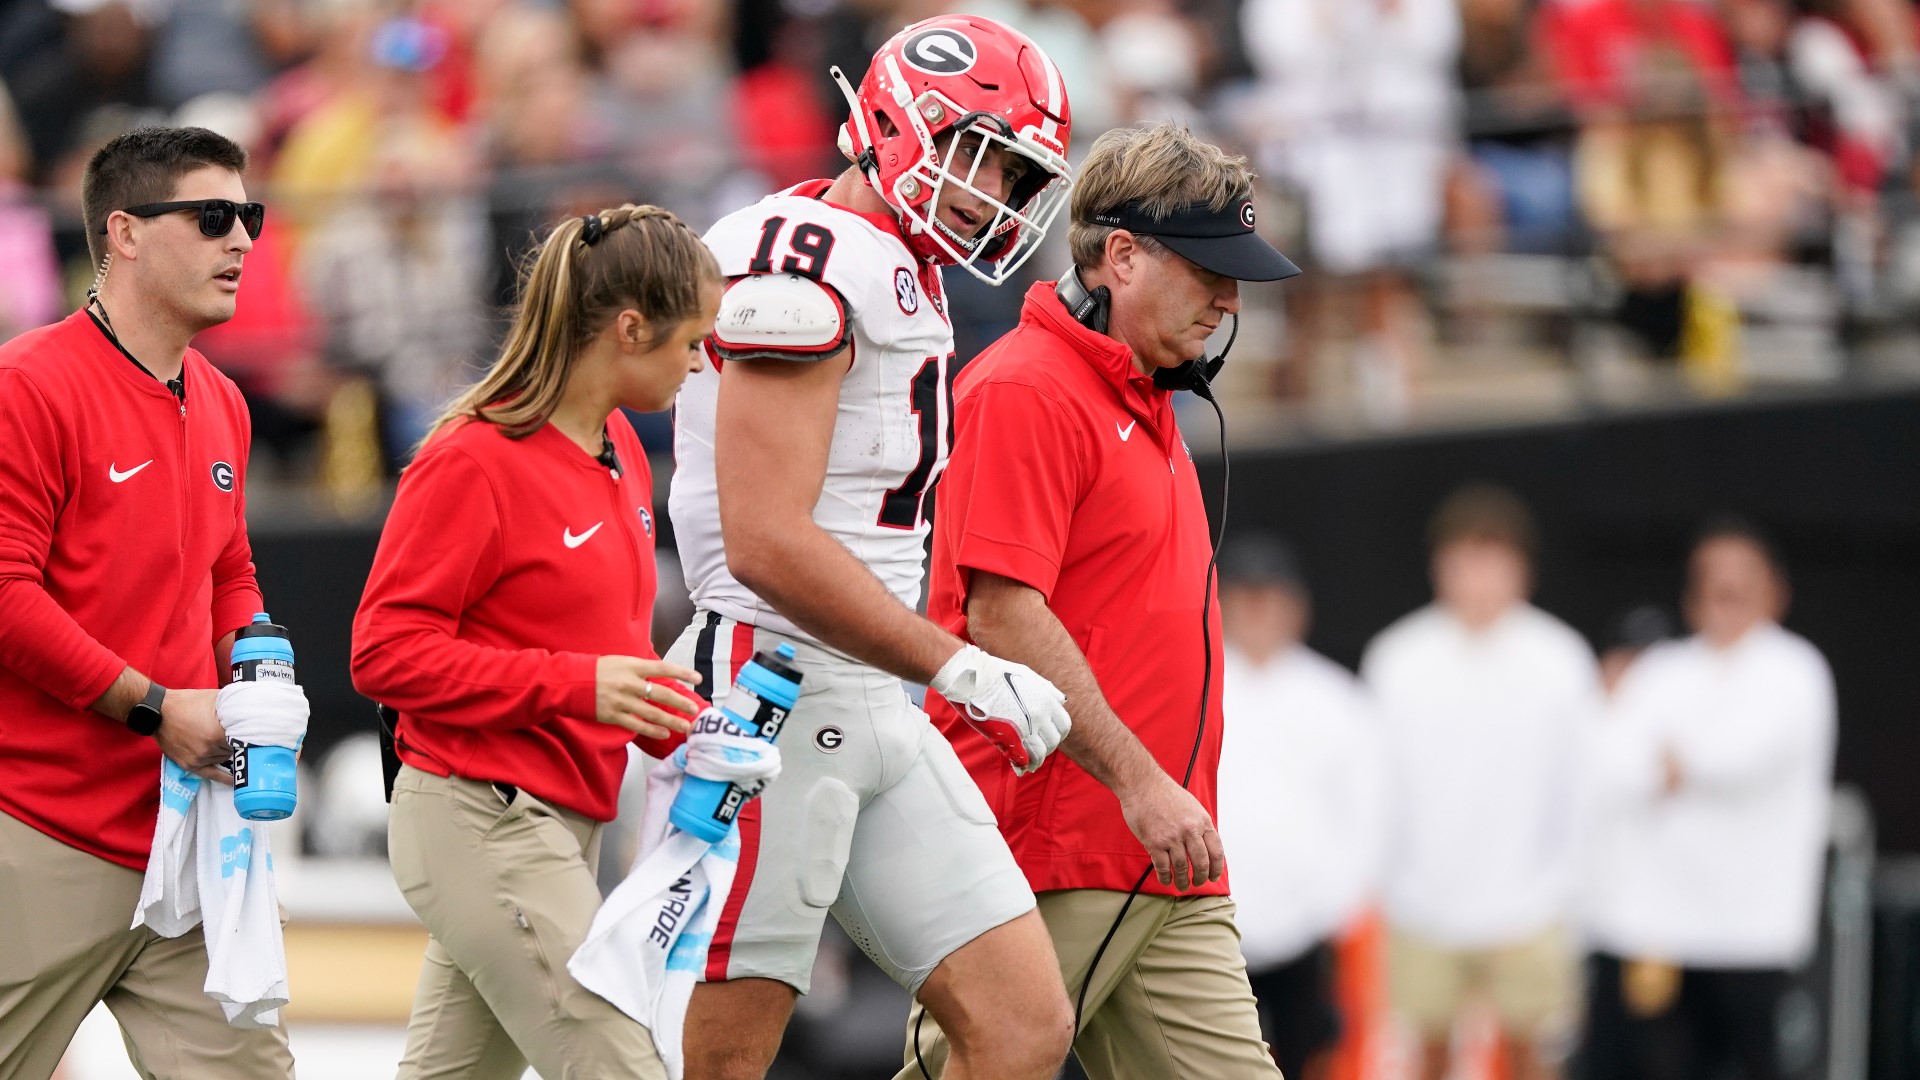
625 695
190 734
1019 712
1175 829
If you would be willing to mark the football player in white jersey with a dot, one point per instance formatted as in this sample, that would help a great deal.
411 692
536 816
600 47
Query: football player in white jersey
805 463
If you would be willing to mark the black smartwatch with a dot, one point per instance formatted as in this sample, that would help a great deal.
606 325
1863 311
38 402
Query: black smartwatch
144 717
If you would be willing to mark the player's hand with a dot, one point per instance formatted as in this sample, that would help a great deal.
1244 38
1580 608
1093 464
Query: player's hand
1019 712
1175 829
644 696
190 734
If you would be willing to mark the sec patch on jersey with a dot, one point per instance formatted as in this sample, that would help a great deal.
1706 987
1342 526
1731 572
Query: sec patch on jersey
905 292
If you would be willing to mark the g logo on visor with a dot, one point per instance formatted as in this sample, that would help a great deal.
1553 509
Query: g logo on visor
940 52
1246 214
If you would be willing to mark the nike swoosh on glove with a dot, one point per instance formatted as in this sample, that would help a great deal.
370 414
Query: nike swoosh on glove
1019 712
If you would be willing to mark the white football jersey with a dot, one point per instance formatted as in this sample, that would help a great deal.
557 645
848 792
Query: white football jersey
894 426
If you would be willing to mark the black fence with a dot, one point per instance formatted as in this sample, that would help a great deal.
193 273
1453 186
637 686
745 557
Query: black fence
1836 481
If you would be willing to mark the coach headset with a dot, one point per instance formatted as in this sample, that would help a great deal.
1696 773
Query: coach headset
1222 241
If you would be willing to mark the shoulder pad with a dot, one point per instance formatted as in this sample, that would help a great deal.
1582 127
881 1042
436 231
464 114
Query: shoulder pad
780 317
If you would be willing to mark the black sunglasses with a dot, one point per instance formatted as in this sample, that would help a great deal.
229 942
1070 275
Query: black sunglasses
216 215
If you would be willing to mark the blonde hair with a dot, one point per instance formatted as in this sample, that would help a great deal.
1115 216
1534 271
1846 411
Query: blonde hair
1161 167
585 273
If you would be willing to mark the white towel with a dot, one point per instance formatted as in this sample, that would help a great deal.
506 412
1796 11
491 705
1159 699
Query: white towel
648 943
265 713
211 866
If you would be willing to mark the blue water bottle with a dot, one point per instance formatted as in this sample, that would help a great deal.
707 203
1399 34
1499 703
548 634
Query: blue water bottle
763 694
263 776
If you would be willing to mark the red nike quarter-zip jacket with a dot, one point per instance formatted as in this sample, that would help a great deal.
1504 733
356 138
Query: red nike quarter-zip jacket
123 541
507 568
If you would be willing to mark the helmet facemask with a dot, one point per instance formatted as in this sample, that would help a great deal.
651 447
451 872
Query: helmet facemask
1019 219
1017 224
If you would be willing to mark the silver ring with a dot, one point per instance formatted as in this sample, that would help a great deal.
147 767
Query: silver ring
648 691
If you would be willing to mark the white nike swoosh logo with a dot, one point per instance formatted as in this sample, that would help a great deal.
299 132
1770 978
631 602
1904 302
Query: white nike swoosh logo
1125 432
573 541
117 476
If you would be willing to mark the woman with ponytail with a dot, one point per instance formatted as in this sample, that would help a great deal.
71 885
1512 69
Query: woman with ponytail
506 623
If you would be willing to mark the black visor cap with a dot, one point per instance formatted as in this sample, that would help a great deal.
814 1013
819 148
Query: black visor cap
1221 241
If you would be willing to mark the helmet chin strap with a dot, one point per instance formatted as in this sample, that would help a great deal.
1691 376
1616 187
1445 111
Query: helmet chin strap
905 101
867 162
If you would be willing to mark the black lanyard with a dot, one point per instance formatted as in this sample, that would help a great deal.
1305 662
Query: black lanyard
176 385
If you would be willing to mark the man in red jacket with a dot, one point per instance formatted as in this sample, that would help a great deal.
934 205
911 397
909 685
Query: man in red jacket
124 572
1071 536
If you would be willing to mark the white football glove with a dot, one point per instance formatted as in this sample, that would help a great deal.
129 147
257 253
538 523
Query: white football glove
1019 712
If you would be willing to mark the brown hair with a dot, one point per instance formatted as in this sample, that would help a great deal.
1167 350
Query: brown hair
585 273
1160 167
144 166
1741 530
1483 512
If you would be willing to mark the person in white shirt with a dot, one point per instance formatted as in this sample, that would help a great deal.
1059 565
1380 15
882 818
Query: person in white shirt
1357 111
1303 795
1628 638
1715 768
1483 698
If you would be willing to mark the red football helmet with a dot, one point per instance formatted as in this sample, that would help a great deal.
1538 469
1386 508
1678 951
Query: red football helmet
975 77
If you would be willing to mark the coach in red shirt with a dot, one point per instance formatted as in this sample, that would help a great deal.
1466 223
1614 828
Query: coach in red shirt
124 572
1071 536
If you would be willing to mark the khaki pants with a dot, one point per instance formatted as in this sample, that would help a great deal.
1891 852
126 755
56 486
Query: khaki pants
1169 1002
507 892
1533 983
65 946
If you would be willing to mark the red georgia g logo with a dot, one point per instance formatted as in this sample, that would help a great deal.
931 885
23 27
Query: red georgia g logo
1246 214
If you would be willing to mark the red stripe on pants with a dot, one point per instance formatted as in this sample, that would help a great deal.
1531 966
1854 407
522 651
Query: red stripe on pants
741 651
720 951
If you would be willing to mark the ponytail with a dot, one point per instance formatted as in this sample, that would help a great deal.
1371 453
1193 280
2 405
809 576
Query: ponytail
585 273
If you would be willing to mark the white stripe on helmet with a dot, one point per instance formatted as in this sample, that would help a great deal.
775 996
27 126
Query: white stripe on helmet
1048 126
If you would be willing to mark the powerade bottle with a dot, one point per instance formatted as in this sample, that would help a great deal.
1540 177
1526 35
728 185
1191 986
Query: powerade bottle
762 695
263 777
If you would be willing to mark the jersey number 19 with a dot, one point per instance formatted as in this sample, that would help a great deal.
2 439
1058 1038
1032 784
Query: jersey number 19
904 506
810 244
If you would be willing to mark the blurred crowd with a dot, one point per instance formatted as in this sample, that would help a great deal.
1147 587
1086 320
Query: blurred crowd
1688 174
1611 865
1718 190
